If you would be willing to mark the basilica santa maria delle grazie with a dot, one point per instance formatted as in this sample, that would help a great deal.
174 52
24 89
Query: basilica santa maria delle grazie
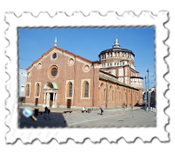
62 79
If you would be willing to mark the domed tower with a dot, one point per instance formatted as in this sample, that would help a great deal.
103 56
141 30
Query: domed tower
116 56
120 62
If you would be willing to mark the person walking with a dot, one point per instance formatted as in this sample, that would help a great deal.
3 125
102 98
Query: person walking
46 113
83 110
102 109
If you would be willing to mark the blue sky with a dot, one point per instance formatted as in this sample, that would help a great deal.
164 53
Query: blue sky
88 43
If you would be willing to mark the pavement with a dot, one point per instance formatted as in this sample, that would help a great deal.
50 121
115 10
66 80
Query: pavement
137 117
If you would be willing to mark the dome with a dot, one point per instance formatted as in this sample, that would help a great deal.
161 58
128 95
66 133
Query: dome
116 48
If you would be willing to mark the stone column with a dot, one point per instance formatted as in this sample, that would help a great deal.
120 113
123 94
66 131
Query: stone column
44 98
54 99
48 99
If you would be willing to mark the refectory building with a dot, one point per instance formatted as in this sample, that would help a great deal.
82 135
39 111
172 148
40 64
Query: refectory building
60 78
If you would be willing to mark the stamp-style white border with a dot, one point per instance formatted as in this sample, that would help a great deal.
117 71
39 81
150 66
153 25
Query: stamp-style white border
93 19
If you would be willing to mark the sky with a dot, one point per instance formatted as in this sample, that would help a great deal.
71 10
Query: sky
88 43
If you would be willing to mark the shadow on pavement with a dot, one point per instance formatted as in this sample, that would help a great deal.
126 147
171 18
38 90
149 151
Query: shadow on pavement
57 120
98 113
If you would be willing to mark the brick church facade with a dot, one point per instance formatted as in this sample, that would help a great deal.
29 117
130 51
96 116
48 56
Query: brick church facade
60 78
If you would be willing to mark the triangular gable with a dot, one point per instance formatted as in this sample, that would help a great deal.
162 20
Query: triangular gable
62 50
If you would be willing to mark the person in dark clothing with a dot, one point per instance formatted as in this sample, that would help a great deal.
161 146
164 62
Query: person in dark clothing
102 109
46 113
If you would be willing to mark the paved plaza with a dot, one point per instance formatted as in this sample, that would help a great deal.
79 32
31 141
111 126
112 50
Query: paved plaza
111 118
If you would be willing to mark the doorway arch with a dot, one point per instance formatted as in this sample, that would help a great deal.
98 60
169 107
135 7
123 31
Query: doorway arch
50 94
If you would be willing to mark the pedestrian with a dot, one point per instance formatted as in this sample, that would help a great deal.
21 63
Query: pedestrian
83 109
124 106
46 113
102 109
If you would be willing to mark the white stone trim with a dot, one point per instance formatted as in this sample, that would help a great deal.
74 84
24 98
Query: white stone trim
88 68
29 74
77 59
45 56
48 71
38 64
67 81
98 66
68 55
85 62
73 61
51 55
82 81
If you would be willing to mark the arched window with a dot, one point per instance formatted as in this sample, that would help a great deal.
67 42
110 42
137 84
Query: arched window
38 89
85 89
27 90
69 89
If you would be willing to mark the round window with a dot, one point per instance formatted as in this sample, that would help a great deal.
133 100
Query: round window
71 61
54 72
86 68
54 55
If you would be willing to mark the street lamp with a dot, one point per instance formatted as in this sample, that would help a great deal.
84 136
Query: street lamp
145 95
148 91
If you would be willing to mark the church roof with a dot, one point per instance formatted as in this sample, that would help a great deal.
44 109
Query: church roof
109 77
65 51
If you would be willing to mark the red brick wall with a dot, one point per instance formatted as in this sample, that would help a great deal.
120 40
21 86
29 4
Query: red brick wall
66 72
75 72
128 96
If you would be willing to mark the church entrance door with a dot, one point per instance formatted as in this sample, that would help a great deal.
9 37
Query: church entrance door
51 99
68 103
50 94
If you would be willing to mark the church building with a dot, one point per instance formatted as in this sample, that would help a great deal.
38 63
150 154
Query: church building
62 79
